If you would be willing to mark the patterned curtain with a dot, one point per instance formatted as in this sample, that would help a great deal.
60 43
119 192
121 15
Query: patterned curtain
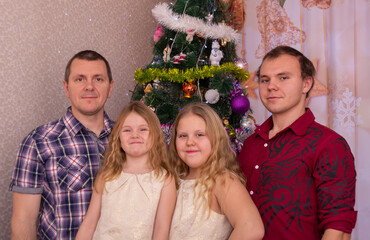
335 36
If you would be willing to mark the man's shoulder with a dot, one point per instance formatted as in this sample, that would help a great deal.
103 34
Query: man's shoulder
325 131
326 138
48 130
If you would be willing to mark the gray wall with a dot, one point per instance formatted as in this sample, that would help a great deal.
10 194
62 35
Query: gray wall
37 38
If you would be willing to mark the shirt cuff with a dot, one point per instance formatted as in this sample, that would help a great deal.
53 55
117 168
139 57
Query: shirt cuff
14 188
344 222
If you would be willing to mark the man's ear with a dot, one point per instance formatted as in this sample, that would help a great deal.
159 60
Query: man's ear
110 88
65 86
307 84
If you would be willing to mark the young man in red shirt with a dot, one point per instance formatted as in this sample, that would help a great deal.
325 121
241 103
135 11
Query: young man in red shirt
300 174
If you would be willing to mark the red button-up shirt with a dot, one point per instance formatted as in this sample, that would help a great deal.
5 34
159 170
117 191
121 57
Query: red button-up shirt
302 180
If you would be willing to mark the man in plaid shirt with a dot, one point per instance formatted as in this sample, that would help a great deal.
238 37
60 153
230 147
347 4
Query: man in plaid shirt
57 162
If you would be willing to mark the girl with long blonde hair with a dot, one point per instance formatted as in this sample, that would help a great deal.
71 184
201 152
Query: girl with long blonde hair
134 193
212 201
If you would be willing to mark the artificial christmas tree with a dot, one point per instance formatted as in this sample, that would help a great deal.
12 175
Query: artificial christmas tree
194 56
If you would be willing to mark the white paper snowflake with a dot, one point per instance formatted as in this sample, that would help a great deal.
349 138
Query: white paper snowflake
346 116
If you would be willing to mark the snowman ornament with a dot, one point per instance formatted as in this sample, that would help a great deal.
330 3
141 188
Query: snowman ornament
216 54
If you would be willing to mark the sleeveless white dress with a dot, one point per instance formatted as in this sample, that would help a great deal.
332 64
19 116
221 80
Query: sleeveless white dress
129 205
189 222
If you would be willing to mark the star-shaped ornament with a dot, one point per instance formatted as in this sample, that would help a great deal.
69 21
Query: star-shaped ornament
250 85
318 88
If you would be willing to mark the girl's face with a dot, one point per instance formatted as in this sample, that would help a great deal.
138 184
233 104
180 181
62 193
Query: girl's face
134 136
192 143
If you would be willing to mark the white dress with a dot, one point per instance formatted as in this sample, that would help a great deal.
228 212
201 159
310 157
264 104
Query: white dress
129 205
189 222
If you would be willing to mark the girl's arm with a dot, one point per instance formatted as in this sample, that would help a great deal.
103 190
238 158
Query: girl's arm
165 209
87 228
239 208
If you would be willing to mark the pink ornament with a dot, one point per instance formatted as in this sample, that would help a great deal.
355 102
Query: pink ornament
242 64
182 56
190 35
176 59
240 104
158 34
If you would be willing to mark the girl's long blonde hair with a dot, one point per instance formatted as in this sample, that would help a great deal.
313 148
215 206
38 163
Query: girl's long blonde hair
114 156
222 158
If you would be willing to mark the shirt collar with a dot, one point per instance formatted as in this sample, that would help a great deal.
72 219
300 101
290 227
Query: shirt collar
299 126
108 126
73 126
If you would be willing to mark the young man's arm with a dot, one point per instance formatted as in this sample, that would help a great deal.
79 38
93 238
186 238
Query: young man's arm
335 178
24 219
332 234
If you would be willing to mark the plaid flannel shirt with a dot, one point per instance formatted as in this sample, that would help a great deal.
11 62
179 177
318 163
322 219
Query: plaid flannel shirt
60 160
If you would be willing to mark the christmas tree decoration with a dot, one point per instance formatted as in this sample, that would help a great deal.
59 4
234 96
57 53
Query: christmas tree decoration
156 84
190 36
242 64
199 35
224 42
176 59
182 56
216 54
167 131
167 54
152 108
194 60
209 18
148 88
247 123
158 34
189 89
212 96
229 128
182 75
240 104
183 23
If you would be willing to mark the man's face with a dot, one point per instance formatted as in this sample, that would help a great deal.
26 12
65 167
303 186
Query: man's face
88 87
281 87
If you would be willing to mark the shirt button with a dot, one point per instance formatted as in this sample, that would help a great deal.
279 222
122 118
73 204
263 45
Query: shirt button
265 145
251 192
256 167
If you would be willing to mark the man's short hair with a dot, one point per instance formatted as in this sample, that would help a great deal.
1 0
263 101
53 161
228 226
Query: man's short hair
88 55
307 68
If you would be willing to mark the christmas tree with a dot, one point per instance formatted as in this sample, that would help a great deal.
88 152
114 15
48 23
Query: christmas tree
194 61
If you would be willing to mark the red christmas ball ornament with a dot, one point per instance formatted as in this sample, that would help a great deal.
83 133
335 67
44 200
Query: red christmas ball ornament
240 104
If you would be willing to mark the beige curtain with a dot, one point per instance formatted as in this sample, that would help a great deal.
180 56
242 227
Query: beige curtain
334 35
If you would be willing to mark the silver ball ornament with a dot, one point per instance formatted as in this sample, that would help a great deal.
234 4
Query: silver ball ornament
247 124
212 96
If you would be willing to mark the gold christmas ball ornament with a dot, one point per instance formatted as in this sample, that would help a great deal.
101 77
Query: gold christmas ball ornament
224 41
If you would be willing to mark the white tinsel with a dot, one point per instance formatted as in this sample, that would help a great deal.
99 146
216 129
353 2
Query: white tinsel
184 23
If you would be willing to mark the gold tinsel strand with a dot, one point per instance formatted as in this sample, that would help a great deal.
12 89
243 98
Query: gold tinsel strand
180 76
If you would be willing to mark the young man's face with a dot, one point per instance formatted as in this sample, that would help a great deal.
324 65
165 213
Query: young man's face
88 87
281 87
